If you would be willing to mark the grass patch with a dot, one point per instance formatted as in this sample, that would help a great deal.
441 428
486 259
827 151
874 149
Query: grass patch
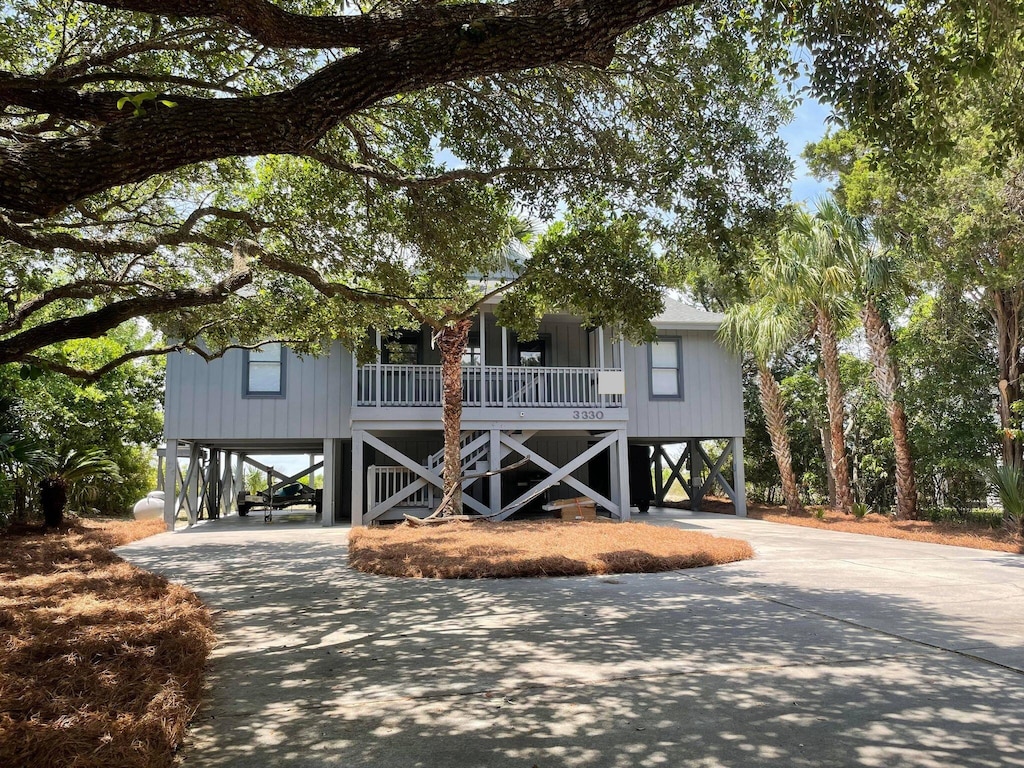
482 550
102 662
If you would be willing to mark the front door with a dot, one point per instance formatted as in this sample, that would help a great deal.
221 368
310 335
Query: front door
533 354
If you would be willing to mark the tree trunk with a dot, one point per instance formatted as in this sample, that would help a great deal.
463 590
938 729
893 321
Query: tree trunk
887 379
1006 312
834 404
452 342
53 498
775 419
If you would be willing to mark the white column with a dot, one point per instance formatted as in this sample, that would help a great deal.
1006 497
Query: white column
622 455
739 478
212 492
170 483
355 380
331 455
358 477
161 463
239 478
380 358
504 367
603 399
194 475
495 464
483 358
228 487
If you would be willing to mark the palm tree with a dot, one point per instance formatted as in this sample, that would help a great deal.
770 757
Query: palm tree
766 329
451 333
875 275
808 272
64 471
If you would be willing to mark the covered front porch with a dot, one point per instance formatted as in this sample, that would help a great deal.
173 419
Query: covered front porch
565 366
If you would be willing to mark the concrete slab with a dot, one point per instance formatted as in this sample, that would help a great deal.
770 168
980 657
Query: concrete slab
828 649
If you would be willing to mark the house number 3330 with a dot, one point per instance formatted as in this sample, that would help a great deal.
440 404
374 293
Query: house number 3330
588 415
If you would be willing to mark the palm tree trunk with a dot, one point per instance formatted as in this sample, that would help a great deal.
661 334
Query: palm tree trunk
887 379
452 341
834 405
1006 312
775 419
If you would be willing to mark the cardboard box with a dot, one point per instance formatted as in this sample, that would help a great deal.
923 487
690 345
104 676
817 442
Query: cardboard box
579 508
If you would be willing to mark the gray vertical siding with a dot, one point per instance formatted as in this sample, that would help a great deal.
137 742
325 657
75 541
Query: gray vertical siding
712 404
204 400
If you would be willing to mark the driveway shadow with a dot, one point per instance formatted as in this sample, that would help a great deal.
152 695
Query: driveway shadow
320 665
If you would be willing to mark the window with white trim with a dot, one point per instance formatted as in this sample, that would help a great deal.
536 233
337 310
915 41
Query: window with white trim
666 369
264 371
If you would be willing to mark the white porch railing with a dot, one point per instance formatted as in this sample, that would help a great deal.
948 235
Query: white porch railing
529 387
385 482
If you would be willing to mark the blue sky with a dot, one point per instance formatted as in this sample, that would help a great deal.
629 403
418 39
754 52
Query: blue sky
808 125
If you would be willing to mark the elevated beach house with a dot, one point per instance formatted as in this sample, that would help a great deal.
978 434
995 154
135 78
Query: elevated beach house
587 412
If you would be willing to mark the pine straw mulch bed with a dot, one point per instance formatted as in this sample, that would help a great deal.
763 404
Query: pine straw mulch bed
970 535
102 663
482 550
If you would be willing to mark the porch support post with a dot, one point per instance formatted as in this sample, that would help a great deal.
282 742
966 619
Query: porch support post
483 358
504 367
696 475
600 361
621 457
494 453
230 488
194 478
379 373
659 475
355 380
170 482
211 501
161 462
358 478
239 479
332 454
739 486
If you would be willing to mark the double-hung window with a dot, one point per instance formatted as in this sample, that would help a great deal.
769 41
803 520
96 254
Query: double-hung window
666 369
264 371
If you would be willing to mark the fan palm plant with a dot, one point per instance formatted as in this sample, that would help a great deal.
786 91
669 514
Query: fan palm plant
766 329
69 470
1009 481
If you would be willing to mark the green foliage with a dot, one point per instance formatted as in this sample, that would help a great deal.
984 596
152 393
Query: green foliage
1009 482
597 265
119 416
860 510
944 351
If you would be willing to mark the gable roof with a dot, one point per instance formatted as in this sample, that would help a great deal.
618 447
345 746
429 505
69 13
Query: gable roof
682 317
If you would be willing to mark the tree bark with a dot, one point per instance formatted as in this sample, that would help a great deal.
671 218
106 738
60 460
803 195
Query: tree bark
43 175
1006 313
775 419
830 478
93 324
834 404
887 379
452 341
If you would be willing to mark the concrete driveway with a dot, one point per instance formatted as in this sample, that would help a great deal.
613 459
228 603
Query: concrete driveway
829 649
